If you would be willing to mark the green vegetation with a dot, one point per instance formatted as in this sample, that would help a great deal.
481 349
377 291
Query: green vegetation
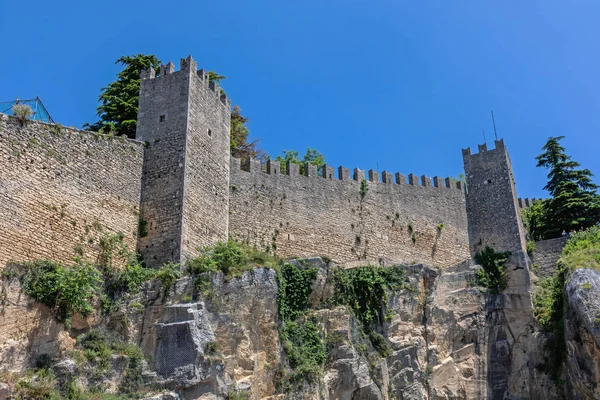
492 275
22 112
142 225
304 347
119 106
238 395
364 188
98 348
440 227
72 289
239 144
364 290
119 100
294 287
300 333
312 156
530 248
582 250
40 384
93 354
65 290
231 258
574 203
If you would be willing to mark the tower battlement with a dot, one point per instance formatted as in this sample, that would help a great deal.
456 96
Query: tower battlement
187 66
492 205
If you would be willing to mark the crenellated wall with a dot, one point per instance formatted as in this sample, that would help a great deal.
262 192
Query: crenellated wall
393 221
56 182
61 187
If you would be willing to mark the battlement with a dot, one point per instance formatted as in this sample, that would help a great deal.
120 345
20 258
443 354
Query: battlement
187 66
483 151
327 172
524 203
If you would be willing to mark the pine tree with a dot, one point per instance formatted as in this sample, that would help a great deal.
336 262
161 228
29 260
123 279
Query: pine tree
119 100
575 204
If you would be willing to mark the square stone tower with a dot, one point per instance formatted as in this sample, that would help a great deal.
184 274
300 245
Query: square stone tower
184 120
492 205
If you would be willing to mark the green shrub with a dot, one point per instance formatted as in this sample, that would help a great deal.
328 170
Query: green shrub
492 275
530 248
379 344
364 291
168 275
294 288
304 347
99 348
364 188
231 258
40 385
302 338
66 290
238 395
582 250
211 348
22 112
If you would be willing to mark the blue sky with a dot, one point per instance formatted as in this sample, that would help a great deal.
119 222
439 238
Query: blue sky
381 84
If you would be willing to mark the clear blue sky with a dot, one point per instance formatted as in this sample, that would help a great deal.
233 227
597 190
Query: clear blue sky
386 84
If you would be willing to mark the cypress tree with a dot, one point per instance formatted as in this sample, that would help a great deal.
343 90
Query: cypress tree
575 204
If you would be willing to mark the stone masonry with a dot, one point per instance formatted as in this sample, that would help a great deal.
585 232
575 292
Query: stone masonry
184 120
191 193
391 222
60 188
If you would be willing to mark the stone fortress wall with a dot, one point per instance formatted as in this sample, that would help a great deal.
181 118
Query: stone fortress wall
190 193
321 214
60 188
546 255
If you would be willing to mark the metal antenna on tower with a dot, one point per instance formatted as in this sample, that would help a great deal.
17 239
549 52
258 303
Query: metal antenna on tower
494 122
484 136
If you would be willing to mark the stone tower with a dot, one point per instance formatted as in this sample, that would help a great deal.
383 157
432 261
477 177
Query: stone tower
184 120
492 205
494 220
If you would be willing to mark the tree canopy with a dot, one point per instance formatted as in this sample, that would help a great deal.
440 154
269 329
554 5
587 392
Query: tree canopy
574 203
312 156
119 100
118 112
119 106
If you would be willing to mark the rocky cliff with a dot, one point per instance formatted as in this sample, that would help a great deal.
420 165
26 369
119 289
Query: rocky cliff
433 335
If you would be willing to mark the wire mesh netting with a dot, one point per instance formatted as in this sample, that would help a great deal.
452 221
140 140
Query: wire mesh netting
39 111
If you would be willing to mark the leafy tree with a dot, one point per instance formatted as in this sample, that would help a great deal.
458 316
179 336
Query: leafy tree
239 144
574 204
312 156
534 219
119 108
119 100
492 275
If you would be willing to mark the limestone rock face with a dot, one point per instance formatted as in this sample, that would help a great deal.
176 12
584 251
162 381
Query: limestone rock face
224 340
217 338
582 334
28 330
